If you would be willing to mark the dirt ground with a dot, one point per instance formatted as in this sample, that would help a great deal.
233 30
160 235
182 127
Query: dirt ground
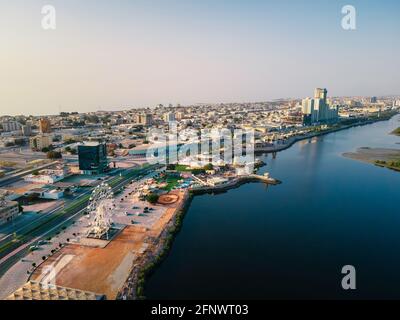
105 270
168 199
21 187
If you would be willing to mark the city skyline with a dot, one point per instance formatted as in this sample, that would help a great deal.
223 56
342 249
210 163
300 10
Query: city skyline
126 179
213 150
117 109
106 57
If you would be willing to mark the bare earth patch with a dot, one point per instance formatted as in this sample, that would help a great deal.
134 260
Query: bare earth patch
371 155
168 199
104 270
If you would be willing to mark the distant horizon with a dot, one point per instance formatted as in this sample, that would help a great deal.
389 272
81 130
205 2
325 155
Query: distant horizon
127 108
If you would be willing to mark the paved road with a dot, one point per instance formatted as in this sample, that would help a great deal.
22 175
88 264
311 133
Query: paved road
21 225
14 248
18 176
17 275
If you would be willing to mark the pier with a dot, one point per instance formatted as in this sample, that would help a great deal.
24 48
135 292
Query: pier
263 178
236 182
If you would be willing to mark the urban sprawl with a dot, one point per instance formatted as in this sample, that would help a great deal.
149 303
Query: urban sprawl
90 202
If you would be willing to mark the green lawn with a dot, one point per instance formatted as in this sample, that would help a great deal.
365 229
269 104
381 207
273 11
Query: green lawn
171 182
182 168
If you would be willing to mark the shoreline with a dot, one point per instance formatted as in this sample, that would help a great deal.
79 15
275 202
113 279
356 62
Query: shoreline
380 157
235 183
293 140
133 288
135 284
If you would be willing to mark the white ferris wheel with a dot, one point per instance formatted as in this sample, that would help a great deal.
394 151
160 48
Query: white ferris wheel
101 205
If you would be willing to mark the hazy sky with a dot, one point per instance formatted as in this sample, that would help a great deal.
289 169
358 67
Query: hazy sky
116 53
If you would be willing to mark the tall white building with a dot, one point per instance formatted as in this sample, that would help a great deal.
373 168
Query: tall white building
320 93
27 129
308 106
318 109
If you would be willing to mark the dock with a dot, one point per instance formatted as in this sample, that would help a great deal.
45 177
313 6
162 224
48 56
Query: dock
264 178
234 183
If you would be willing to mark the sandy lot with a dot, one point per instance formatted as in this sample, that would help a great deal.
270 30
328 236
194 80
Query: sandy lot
23 186
105 270
101 270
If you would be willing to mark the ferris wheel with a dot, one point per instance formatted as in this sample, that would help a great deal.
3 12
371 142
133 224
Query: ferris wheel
101 205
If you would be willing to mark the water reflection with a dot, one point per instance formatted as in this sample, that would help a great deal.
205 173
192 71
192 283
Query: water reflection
291 240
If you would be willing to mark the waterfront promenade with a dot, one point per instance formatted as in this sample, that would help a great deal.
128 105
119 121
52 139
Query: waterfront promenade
323 212
235 183
292 140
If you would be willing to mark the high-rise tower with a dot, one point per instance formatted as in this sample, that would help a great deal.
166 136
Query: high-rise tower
321 94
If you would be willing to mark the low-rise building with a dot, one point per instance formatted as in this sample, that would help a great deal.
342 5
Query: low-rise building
11 126
217 181
46 192
44 125
169 117
47 176
145 119
8 211
40 142
9 195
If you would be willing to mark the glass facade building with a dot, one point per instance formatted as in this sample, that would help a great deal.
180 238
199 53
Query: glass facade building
92 158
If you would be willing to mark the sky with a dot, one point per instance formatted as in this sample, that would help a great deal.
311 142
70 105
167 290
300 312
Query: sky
111 55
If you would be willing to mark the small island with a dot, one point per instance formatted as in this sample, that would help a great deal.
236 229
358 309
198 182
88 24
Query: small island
396 132
382 157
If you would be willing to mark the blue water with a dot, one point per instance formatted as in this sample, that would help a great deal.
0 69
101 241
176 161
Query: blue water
291 241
